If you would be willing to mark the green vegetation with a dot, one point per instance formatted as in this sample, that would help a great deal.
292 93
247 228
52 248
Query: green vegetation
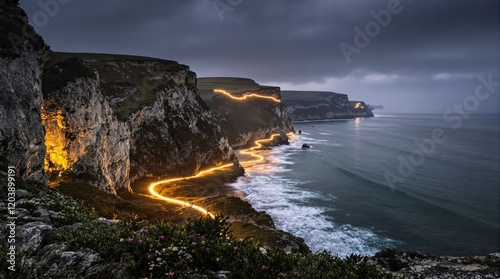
63 72
204 246
129 81
125 204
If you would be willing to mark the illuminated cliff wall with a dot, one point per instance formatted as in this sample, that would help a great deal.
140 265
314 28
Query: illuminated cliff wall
82 135
56 158
113 119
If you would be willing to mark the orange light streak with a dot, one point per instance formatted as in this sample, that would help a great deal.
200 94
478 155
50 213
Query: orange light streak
359 105
246 96
180 202
249 151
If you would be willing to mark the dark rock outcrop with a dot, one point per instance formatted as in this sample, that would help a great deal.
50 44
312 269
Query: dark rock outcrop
416 265
35 257
320 105
22 54
57 261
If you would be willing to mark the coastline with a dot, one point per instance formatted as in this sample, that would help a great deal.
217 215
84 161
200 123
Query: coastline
208 193
416 264
212 193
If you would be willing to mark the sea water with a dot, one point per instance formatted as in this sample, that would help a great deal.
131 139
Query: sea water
370 183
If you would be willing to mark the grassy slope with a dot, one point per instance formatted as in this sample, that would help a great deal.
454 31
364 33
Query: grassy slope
118 77
237 117
211 192
313 96
230 84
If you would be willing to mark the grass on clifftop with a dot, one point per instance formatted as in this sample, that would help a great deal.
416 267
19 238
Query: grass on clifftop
233 85
312 96
130 82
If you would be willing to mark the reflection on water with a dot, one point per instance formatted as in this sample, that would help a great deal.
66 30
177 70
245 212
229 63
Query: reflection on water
358 121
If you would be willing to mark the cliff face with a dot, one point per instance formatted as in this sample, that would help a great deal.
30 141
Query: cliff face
177 134
320 105
21 131
360 109
114 119
245 121
82 134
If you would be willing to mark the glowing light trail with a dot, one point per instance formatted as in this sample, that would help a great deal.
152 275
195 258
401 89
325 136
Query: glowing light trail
246 96
250 151
359 105
183 203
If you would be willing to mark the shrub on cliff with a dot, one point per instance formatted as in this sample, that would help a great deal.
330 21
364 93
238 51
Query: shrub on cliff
204 246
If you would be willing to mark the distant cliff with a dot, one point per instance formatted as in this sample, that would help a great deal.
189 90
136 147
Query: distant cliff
22 54
113 119
244 122
319 105
360 109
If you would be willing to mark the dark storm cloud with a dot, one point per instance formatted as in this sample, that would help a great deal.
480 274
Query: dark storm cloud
293 42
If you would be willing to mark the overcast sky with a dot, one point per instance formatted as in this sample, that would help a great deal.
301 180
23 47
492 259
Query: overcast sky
428 55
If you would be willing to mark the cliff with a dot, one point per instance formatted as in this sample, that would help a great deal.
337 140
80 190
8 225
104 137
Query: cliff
360 109
113 119
22 54
245 121
320 105
82 134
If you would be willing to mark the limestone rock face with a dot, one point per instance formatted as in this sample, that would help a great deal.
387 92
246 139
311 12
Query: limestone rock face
82 134
21 58
114 119
176 134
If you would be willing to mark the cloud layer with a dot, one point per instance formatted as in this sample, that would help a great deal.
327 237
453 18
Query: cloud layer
427 56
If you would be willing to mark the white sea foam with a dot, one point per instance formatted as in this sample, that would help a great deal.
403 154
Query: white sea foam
293 209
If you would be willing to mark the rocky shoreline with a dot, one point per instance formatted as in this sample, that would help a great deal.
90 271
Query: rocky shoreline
417 265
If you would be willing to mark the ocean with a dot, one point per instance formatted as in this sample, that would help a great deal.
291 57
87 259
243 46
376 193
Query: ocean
412 182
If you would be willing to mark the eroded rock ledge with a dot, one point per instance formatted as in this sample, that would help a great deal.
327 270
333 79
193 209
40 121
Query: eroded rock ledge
417 265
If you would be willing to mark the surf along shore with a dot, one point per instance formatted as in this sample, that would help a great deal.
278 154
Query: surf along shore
208 193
